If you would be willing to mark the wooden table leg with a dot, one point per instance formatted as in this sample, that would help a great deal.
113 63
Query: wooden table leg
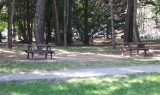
46 56
32 56
145 53
130 52
27 55
137 52
51 55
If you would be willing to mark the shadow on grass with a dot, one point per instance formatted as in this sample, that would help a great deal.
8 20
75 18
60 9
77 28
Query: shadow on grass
17 67
113 85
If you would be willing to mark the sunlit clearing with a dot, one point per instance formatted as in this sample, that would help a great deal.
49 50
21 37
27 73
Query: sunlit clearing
6 51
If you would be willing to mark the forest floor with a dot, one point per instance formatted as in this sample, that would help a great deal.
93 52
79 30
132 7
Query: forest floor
11 55
8 55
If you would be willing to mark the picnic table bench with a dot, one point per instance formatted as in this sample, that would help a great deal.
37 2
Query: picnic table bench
132 46
40 49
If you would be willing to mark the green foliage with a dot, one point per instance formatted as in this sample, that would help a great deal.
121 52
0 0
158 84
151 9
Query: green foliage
3 18
98 16
3 25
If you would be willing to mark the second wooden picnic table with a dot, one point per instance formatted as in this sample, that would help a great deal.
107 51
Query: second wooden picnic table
131 46
39 48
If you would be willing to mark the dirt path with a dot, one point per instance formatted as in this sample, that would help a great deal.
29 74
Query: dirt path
7 56
61 74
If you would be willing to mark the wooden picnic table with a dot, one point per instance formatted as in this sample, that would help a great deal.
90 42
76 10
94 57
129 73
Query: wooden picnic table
39 48
131 46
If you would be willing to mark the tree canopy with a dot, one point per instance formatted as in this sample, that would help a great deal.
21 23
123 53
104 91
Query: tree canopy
59 21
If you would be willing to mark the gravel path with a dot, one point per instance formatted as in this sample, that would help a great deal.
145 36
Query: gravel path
61 74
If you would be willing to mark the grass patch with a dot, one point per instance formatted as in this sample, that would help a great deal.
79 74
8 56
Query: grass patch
91 49
140 84
16 67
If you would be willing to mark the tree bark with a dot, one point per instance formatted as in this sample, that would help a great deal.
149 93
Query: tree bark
39 22
66 17
48 22
28 23
69 31
11 4
57 31
128 31
135 30
86 36
112 25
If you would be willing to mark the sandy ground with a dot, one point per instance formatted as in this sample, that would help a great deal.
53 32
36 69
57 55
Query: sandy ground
8 56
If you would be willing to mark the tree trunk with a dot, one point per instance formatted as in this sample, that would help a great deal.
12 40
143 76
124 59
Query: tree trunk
11 4
86 36
48 21
69 31
112 24
48 34
39 22
128 31
0 36
25 34
57 31
135 30
66 17
23 30
28 23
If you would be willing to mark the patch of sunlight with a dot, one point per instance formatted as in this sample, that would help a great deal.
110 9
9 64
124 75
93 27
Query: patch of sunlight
5 70
88 80
6 51
64 51
115 78
97 92
16 93
75 80
113 88
22 53
110 80
127 85
87 53
135 80
96 80
152 78
148 59
60 87
156 58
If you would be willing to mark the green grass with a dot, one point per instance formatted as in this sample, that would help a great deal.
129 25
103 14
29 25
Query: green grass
16 67
91 49
140 84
